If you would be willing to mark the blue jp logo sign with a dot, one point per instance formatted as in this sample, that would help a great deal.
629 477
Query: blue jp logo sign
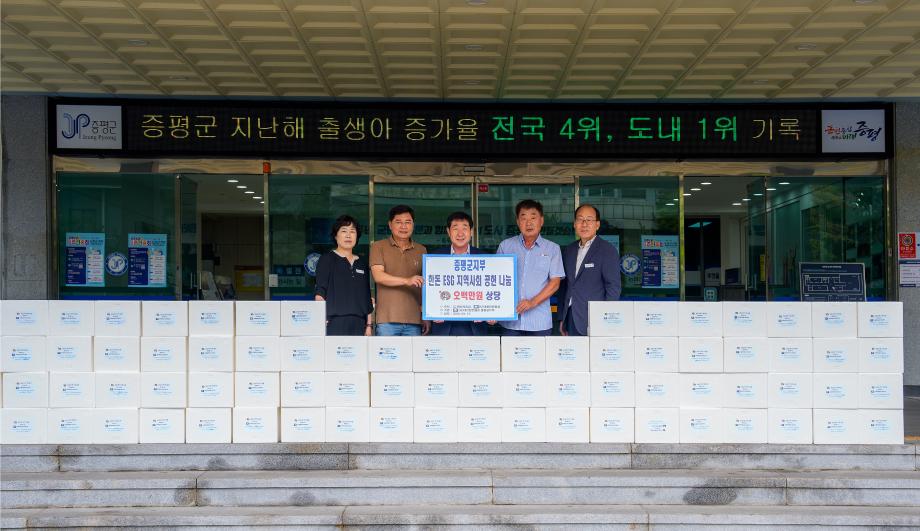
74 124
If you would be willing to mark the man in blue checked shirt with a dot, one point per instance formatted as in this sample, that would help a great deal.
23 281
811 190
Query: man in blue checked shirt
539 272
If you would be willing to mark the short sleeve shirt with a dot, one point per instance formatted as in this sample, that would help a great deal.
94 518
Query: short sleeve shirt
535 267
401 304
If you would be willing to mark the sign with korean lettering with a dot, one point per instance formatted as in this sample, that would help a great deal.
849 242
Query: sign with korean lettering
88 127
416 130
469 287
147 260
832 282
853 131
83 259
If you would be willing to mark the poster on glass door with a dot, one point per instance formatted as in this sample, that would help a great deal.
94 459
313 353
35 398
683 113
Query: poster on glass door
83 259
660 262
147 260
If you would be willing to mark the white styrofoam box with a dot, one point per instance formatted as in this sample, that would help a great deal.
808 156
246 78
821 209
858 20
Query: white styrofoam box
25 389
657 354
479 353
790 354
348 389
22 354
210 389
745 426
117 318
613 389
255 424
789 426
702 390
303 424
880 391
657 425
257 354
303 318
23 426
881 426
116 353
790 390
163 390
568 390
567 425
163 354
611 318
836 426
392 389
345 353
788 319
833 319
210 353
656 319
302 354
835 390
391 424
612 425
835 354
162 425
881 319
480 389
164 318
434 424
115 426
657 389
699 319
479 424
701 425
118 389
258 318
700 354
612 354
389 354
347 424
523 389
745 354
24 318
434 354
523 424
746 390
881 354
523 354
70 318
256 389
70 426
567 354
208 425
744 319
437 389
210 318
303 389
69 353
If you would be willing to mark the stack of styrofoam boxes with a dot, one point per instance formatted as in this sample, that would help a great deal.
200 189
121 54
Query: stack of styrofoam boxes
210 372
436 390
880 353
525 392
164 371
481 389
116 362
24 414
257 380
657 372
347 389
613 377
303 382
709 405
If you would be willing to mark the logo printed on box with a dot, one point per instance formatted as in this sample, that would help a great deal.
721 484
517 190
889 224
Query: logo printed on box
21 353
115 425
208 425
25 318
254 424
22 426
523 353
654 318
114 317
303 424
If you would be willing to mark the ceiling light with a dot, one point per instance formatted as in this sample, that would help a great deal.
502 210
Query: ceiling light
758 194
257 197
760 81
137 42
864 2
675 199
248 192
232 181
687 195
746 199
805 46
476 2
695 189
669 204
473 47
178 78
705 183
736 204
771 189
261 202
241 186
784 183
471 82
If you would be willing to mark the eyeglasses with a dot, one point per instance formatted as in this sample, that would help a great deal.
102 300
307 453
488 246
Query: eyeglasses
584 220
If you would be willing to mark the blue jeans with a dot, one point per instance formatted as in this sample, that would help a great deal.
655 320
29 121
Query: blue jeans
398 329
510 332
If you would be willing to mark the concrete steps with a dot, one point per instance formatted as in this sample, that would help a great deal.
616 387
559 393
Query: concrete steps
480 517
455 487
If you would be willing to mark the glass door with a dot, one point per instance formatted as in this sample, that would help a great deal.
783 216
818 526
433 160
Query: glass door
431 202
497 220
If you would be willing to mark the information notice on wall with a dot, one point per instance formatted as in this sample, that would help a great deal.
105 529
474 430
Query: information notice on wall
84 259
909 259
832 282
661 262
469 287
147 260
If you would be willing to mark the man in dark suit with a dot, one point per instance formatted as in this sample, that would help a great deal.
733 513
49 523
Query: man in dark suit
592 272
460 231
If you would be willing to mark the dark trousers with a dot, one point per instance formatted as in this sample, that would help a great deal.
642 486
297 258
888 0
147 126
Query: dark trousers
570 326
510 332
346 325
453 328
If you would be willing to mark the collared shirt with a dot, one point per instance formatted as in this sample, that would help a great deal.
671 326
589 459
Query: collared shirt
535 267
467 251
401 304
580 257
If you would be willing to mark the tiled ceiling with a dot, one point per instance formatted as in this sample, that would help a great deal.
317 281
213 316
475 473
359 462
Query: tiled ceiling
462 49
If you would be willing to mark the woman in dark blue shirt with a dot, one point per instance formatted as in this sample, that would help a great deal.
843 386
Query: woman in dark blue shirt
343 281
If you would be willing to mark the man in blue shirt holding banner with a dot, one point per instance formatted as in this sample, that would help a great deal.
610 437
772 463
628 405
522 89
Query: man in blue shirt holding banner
539 272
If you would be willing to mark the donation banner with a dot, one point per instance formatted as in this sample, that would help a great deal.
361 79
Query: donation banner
469 287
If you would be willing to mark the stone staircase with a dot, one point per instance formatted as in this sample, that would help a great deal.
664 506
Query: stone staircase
484 486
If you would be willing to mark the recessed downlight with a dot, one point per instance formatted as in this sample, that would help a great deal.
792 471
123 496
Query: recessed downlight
241 186
687 194
805 46
232 181
736 204
257 197
248 192
705 183
473 47
695 189
261 202
758 194
771 189
471 82
746 199
784 183
137 42
669 204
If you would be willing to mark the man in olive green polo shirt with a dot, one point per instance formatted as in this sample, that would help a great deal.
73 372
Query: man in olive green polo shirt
396 264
